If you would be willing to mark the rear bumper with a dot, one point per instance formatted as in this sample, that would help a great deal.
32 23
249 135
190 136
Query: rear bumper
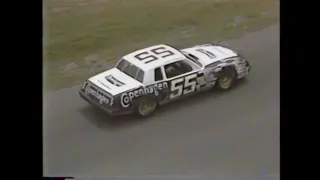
109 111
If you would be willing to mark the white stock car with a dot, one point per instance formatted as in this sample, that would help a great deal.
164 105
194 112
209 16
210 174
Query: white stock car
147 78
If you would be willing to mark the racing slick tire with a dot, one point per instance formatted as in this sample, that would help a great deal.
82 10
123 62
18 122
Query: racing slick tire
146 107
226 78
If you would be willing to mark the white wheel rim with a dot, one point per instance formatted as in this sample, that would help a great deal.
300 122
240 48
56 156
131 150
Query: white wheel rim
225 82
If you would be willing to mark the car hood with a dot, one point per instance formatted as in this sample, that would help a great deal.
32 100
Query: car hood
218 53
114 81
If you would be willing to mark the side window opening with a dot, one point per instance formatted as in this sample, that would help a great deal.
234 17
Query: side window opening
177 68
158 74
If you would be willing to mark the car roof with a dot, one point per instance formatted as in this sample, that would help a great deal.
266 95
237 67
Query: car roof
148 63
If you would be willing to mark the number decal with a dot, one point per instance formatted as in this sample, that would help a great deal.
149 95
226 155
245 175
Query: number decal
154 54
187 87
161 51
146 57
176 87
209 54
189 84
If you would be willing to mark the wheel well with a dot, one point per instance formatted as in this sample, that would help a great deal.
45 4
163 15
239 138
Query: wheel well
231 67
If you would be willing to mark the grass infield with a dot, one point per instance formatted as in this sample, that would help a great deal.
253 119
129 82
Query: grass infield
84 37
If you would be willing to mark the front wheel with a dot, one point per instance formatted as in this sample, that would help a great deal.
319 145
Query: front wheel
226 78
146 107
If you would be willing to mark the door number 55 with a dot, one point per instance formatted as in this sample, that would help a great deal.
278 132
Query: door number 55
183 86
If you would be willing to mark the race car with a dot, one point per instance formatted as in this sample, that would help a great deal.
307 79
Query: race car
145 79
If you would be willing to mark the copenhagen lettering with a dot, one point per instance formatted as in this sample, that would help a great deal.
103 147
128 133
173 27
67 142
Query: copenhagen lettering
102 99
126 98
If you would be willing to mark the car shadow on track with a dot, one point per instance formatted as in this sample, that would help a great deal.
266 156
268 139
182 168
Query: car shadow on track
103 121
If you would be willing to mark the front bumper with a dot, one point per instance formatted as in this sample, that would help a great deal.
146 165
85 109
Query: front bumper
248 66
110 111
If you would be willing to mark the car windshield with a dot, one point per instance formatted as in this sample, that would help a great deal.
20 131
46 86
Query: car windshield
130 70
192 58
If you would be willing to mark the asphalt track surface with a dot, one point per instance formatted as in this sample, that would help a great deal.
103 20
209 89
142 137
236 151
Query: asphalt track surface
232 135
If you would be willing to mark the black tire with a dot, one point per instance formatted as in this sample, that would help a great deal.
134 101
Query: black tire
226 78
139 108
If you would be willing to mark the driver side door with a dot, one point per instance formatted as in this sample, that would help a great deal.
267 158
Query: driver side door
181 78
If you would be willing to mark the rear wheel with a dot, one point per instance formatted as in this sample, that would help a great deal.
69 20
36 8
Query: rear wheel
226 78
146 107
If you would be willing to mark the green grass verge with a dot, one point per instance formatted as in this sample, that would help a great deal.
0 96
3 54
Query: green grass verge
84 37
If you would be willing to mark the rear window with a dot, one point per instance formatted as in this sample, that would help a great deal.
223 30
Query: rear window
130 70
